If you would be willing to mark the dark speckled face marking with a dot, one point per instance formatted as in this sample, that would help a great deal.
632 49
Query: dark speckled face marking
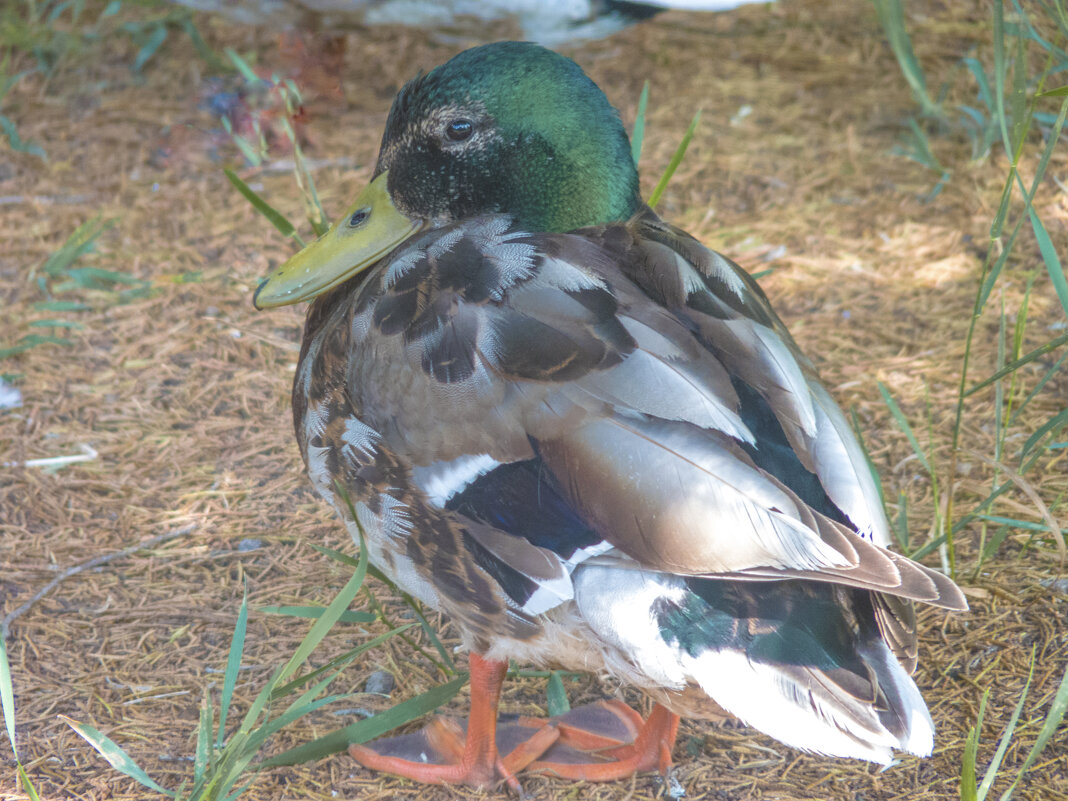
456 130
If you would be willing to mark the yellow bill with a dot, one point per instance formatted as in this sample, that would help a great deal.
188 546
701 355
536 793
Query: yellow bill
369 230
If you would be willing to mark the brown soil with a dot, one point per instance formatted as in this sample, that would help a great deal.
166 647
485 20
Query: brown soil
184 393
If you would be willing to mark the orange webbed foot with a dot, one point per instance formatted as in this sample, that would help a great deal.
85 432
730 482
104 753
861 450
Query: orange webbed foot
480 753
605 741
609 741
447 751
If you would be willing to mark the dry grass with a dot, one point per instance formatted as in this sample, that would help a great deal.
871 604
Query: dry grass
185 394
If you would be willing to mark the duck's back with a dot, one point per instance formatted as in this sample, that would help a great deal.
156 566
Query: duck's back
608 437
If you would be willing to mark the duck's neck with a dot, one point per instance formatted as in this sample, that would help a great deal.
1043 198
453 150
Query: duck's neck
556 190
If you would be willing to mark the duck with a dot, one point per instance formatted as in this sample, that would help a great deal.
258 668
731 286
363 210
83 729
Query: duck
591 443
549 22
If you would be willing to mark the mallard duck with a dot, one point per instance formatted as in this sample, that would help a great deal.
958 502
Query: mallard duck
590 441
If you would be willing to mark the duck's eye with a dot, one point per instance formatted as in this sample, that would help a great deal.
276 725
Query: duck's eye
459 130
359 217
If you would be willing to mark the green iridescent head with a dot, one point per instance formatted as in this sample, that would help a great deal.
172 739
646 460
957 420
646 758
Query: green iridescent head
509 127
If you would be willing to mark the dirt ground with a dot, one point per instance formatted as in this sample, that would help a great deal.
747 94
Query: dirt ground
183 392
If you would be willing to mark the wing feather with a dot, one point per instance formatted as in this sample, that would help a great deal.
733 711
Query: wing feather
658 387
843 469
680 499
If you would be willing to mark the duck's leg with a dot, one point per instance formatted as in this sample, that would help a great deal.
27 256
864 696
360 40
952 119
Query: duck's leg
590 750
443 754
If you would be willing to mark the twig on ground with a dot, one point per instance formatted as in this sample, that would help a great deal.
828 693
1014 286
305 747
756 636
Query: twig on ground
96 561
87 455
46 200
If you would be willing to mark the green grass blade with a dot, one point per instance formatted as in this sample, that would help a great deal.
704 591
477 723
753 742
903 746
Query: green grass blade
339 605
242 66
118 758
556 695
203 753
32 341
7 694
977 510
338 556
919 149
338 661
968 786
313 207
239 791
867 455
1051 259
233 665
1003 207
676 159
236 755
1019 111
257 707
638 133
274 217
892 18
364 730
1006 737
995 541
1032 34
1054 424
68 324
337 664
999 74
326 621
1014 365
95 278
447 661
1052 140
61 306
1018 334
295 712
1008 244
304 704
900 522
151 44
252 155
428 630
1026 525
235 759
1052 371
317 612
27 785
7 701
1054 718
309 694
999 391
82 240
185 22
903 424
981 81
11 132
351 561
